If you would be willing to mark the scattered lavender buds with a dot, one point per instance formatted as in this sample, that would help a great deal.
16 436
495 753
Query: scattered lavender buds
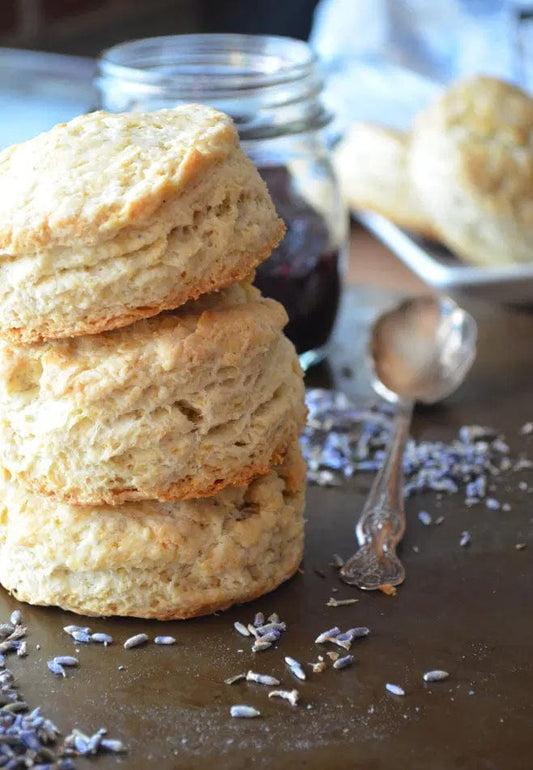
29 739
295 668
425 518
465 539
435 676
395 689
244 712
135 641
79 744
262 633
101 638
290 695
269 681
341 440
164 640
527 429
343 662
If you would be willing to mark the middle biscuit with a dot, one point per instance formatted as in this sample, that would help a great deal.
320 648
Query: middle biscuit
173 407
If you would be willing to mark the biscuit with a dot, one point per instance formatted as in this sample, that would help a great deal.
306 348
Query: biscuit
471 161
372 166
111 218
150 559
173 407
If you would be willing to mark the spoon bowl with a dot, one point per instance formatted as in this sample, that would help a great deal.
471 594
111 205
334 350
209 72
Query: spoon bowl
421 351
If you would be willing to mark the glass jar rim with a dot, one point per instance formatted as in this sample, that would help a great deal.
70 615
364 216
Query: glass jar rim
256 61
270 85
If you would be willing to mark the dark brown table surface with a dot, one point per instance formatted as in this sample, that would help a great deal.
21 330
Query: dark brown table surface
465 610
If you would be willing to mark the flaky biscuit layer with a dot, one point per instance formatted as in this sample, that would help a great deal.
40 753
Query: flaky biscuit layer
154 560
176 406
210 232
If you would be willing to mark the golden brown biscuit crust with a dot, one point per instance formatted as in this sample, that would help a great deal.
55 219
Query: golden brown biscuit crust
87 179
173 407
154 560
219 278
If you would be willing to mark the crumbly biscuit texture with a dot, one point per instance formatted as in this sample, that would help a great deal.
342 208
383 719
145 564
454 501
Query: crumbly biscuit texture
471 161
113 218
372 166
154 560
87 179
173 407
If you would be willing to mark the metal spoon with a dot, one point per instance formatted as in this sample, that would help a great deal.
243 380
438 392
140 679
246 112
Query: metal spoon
421 351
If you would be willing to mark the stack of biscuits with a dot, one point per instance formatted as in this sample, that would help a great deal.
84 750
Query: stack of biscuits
150 404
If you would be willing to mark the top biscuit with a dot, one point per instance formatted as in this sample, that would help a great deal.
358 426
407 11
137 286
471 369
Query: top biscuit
472 166
87 179
115 217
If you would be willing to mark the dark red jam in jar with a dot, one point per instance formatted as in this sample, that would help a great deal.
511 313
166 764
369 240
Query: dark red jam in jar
303 272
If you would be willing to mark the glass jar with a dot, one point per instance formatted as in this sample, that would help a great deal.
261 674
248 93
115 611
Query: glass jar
271 88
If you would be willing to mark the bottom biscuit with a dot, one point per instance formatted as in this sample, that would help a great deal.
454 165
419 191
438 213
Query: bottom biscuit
151 559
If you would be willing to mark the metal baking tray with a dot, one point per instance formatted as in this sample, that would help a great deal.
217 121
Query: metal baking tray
443 271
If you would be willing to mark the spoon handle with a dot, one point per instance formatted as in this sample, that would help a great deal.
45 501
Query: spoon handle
382 523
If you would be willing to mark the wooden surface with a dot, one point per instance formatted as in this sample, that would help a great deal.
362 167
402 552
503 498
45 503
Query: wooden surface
371 263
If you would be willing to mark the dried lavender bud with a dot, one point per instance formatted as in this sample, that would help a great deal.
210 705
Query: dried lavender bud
269 681
395 689
244 712
295 668
435 676
241 628
135 641
290 695
326 636
15 618
56 668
